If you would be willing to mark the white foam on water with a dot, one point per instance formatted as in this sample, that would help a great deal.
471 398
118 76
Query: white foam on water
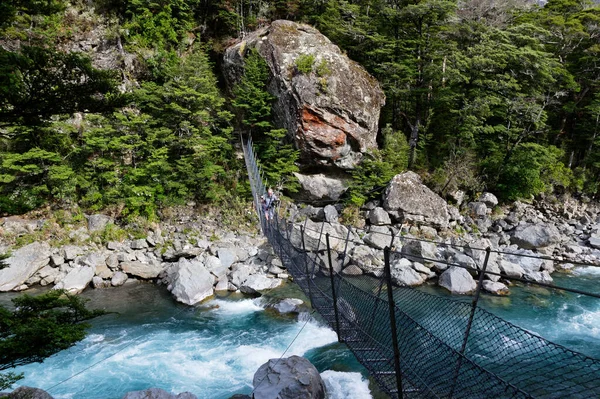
235 308
591 271
214 363
342 385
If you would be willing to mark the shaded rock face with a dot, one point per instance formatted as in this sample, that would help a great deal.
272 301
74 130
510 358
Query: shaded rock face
290 378
332 112
414 202
28 393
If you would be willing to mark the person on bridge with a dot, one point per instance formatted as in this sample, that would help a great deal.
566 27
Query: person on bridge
269 201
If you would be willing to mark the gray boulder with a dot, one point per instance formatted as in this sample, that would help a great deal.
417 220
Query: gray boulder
320 187
457 280
379 237
98 222
477 209
532 236
142 269
379 217
367 259
98 282
70 252
331 214
289 305
28 393
312 233
289 378
256 283
495 287
510 269
191 282
488 199
118 279
594 240
419 251
24 263
538 277
414 202
227 256
157 393
76 280
141 243
239 274
352 270
529 261
330 111
405 275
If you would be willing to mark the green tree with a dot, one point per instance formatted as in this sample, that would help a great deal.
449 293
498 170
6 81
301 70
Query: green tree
253 105
39 327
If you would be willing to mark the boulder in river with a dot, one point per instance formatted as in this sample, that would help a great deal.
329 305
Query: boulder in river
157 393
289 378
191 282
23 264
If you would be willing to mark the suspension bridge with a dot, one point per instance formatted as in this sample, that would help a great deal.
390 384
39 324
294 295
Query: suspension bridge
418 345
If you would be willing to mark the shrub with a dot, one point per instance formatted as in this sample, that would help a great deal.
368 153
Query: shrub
304 63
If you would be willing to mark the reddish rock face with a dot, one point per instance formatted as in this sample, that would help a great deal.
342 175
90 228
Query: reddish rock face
331 111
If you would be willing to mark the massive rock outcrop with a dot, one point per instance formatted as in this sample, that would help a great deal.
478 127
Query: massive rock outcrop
328 103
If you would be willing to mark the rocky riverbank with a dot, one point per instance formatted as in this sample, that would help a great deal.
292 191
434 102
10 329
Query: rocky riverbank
193 257
434 240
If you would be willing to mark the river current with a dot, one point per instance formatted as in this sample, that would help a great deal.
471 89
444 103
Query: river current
214 349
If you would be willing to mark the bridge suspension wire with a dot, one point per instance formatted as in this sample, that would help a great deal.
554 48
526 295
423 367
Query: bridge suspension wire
440 347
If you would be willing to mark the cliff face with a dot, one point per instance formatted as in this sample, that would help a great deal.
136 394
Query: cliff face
328 103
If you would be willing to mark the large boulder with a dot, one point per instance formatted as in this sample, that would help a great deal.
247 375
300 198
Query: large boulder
142 269
191 282
256 283
157 393
419 251
320 187
290 378
330 105
532 236
98 222
457 280
403 274
76 280
23 264
28 393
414 202
367 259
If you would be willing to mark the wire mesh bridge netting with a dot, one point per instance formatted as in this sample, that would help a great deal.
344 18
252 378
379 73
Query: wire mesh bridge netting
415 344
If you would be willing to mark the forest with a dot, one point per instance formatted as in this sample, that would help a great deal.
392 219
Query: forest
496 95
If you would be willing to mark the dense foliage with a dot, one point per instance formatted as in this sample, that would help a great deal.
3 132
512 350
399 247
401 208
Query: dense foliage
39 327
481 94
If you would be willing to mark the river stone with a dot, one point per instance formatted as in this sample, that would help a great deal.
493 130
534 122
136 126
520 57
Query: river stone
157 393
222 283
98 222
49 274
227 256
118 279
289 305
98 282
532 236
24 263
312 233
143 270
288 378
415 202
330 127
495 287
379 237
539 277
419 251
76 280
510 269
352 270
594 241
463 260
191 282
367 259
28 393
379 217
70 252
214 265
256 283
239 274
457 280
406 276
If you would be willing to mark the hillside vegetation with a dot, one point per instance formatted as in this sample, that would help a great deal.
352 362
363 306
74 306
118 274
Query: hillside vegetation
481 94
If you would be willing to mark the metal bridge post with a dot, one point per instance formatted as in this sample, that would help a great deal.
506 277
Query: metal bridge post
392 306
471 317
335 308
